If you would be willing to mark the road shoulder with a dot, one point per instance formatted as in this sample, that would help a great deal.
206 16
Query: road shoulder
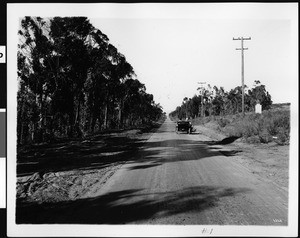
269 161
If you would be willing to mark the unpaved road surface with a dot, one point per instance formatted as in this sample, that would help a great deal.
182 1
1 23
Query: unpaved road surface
174 179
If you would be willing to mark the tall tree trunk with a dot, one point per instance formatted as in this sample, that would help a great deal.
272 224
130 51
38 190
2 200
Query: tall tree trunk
77 120
106 111
77 114
105 116
92 123
21 134
120 119
41 120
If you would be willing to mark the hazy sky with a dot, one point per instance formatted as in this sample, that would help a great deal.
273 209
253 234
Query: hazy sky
173 46
170 55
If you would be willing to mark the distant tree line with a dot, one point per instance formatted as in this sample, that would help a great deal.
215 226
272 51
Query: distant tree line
73 81
214 101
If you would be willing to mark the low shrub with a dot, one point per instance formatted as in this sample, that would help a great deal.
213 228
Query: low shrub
258 128
249 128
282 136
222 122
253 140
277 121
236 133
254 117
254 127
265 137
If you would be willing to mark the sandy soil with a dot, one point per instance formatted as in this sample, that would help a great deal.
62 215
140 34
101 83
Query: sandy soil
270 161
58 172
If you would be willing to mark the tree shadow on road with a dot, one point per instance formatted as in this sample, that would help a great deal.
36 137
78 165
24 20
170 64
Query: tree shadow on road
174 150
104 150
70 155
125 206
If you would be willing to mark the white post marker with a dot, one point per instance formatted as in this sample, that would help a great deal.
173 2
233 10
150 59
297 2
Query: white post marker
258 108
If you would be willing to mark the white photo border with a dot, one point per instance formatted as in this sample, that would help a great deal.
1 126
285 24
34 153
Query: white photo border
288 11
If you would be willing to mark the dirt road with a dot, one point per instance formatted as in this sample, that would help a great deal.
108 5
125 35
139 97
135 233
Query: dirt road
176 179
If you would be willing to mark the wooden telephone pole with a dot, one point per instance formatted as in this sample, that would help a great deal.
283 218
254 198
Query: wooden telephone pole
201 93
242 51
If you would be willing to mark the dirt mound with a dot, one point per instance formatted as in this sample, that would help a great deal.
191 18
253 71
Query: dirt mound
75 169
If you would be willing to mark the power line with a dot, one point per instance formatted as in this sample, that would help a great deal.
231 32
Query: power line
242 51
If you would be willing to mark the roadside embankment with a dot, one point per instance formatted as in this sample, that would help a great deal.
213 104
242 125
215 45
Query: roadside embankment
270 126
75 169
268 160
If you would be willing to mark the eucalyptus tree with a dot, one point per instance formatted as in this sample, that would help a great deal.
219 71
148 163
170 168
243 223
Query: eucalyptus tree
184 103
124 72
234 100
218 101
71 78
96 85
70 36
34 51
194 105
261 95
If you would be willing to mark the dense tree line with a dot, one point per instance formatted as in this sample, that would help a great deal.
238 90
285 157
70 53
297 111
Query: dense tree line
214 101
73 81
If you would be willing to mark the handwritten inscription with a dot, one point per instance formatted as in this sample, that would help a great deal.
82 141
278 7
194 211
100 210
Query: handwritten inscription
207 231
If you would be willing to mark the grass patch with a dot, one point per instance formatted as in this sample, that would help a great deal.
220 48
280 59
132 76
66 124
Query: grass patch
264 128
271 125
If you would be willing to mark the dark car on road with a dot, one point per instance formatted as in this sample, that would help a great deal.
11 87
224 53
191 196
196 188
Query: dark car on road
185 126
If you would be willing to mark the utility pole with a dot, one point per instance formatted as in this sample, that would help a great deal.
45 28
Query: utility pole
186 111
242 51
201 93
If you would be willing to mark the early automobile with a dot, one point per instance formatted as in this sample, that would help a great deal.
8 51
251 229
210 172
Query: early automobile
185 126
